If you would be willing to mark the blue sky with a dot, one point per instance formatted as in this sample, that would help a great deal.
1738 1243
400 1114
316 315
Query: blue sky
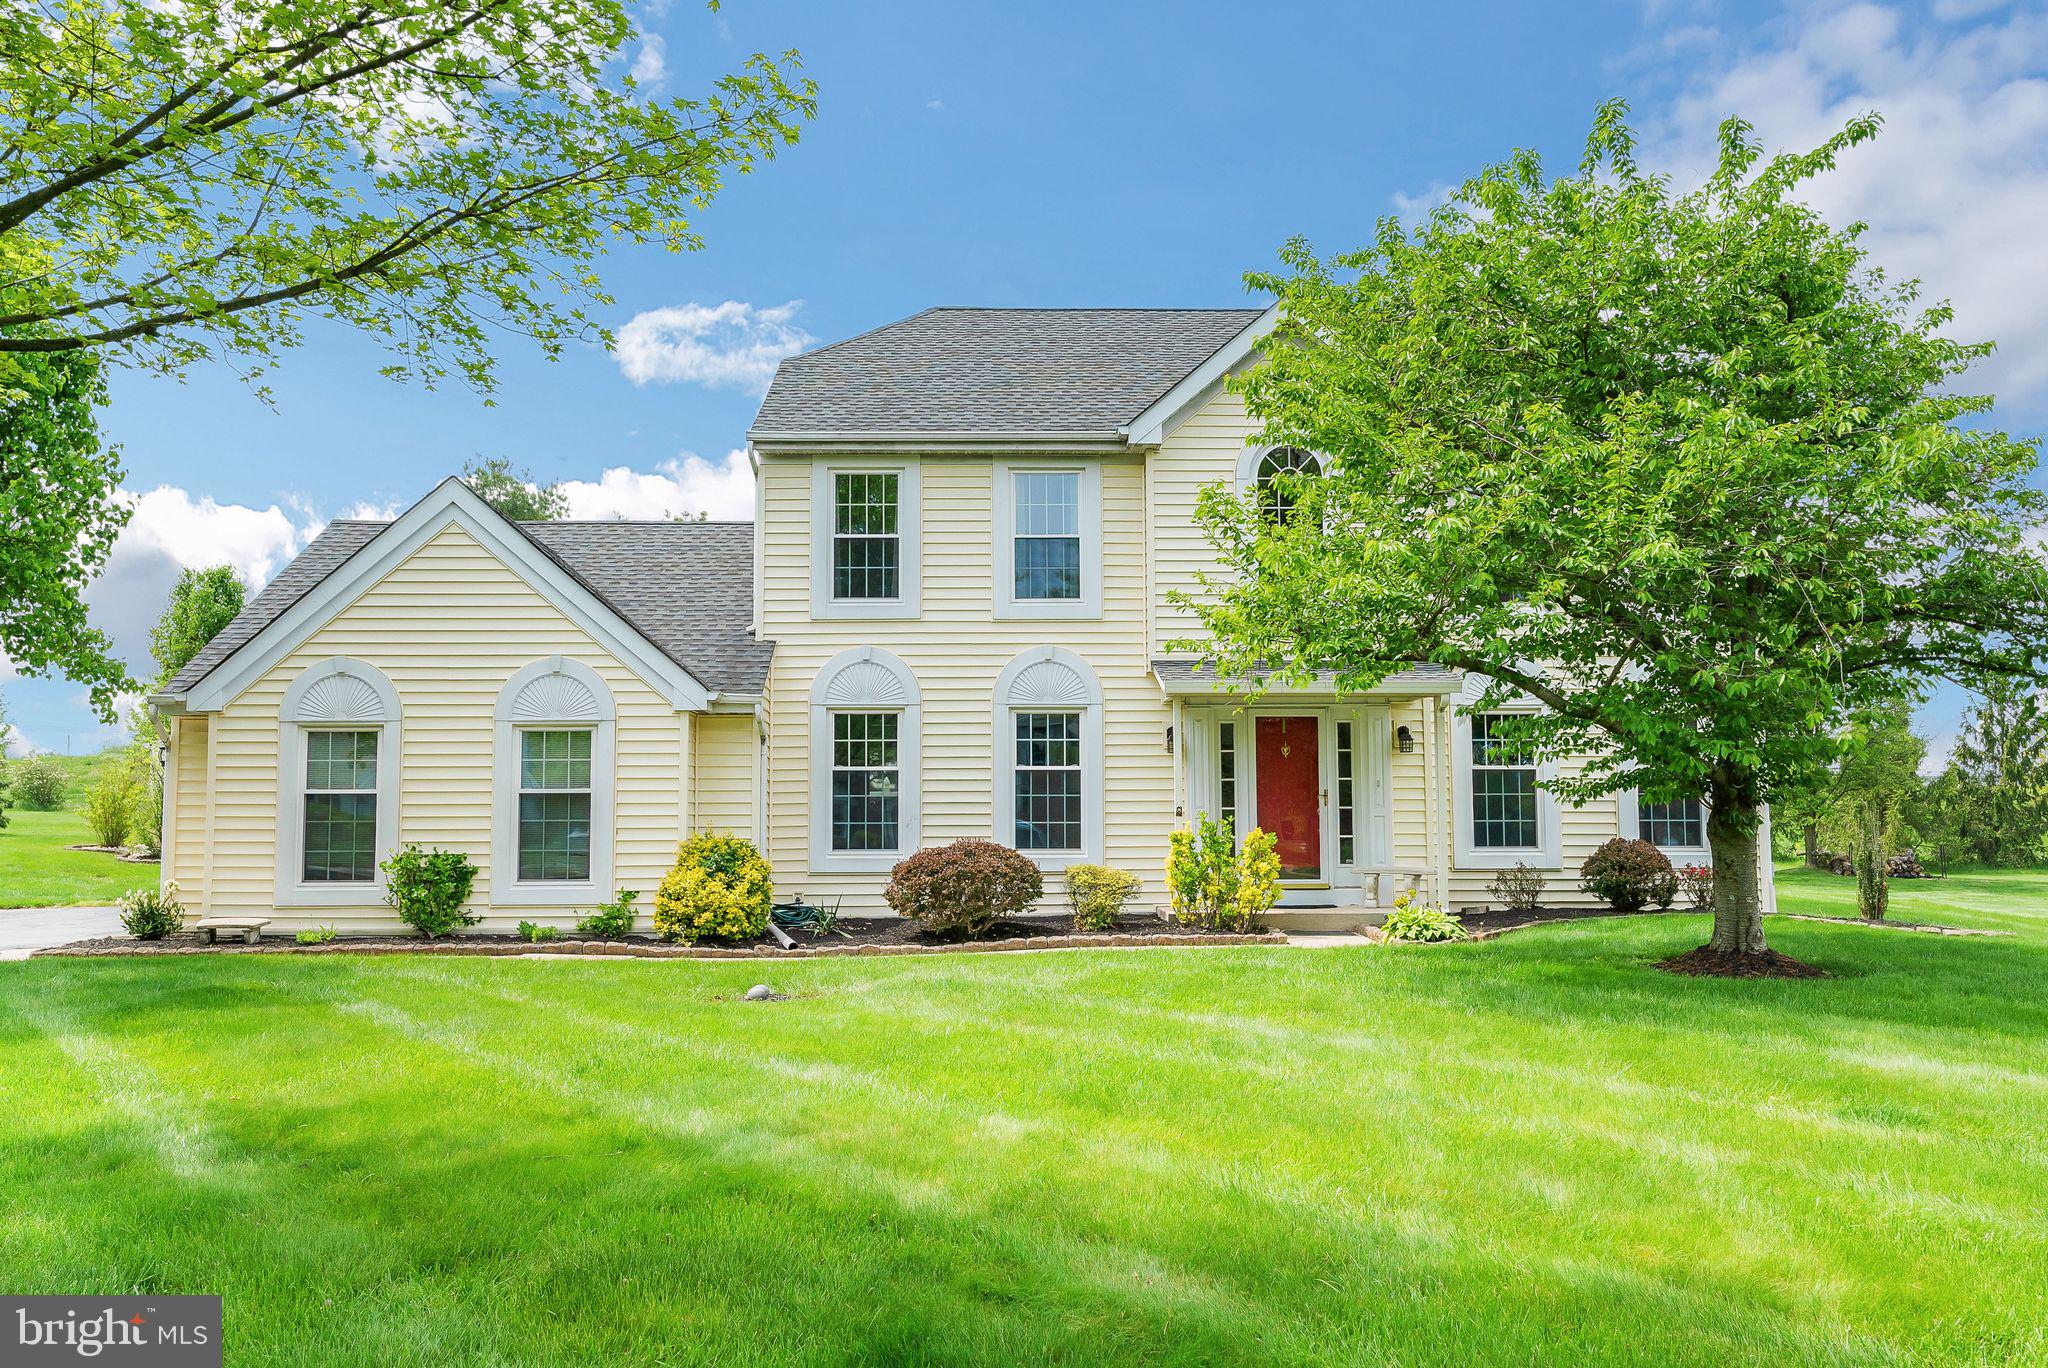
1088 154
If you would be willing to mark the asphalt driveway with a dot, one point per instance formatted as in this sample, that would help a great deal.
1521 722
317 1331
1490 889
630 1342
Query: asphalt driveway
37 928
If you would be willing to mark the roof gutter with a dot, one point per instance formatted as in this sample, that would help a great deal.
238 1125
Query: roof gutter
936 442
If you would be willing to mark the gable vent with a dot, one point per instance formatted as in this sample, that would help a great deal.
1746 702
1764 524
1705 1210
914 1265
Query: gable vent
1050 683
341 698
555 698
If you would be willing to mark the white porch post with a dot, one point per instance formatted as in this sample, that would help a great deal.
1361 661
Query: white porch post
1440 772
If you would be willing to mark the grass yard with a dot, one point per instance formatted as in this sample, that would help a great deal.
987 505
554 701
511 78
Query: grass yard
1532 1150
36 869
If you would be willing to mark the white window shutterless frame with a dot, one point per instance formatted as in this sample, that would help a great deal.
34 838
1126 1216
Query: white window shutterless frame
549 697
859 525
1490 799
1047 534
336 697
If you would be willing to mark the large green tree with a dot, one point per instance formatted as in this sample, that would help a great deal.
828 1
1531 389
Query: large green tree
1878 773
2002 755
190 181
515 493
202 602
1680 466
59 515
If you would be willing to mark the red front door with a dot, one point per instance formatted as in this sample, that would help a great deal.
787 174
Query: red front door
1289 793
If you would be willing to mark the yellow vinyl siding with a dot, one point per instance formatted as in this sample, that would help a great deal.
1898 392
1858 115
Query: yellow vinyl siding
725 774
956 650
449 626
188 833
1203 450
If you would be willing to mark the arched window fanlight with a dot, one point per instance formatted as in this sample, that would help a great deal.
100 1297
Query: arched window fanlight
1279 473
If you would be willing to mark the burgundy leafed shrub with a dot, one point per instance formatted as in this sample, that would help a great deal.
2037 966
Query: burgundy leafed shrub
1629 875
962 889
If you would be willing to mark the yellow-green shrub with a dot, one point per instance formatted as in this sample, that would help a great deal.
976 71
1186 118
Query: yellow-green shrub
720 889
1097 894
1214 888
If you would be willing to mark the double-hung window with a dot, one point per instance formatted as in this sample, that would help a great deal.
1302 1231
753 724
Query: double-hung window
340 832
1681 824
1048 540
1504 813
1046 545
867 538
554 806
1048 781
867 781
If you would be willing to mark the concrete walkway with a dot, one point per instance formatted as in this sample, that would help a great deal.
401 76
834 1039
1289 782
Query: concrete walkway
38 928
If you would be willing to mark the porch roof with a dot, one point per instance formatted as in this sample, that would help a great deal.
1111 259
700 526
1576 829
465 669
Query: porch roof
1190 677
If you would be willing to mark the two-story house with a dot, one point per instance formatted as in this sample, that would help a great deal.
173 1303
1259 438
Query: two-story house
950 617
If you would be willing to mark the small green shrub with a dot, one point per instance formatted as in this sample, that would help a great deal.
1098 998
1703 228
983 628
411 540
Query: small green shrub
428 888
109 807
1519 889
612 920
1697 883
1629 875
1214 888
1415 920
152 914
316 935
536 932
720 889
961 890
37 783
1098 894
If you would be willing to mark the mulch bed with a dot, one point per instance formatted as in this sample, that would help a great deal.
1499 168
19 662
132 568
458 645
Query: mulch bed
1494 920
1707 962
855 936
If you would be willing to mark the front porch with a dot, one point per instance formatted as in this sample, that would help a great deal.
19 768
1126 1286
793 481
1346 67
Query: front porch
1356 788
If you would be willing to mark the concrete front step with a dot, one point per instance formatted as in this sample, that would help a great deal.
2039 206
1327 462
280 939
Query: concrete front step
1324 918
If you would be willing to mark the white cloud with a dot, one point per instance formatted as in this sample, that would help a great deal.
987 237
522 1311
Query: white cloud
170 531
935 106
1419 206
13 743
650 64
733 344
687 485
1952 188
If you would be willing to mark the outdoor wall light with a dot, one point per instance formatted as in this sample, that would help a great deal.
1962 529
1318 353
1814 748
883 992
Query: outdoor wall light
1169 740
1406 740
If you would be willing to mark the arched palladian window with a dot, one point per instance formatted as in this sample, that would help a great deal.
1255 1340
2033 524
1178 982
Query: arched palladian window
551 826
337 784
866 720
1272 474
1048 751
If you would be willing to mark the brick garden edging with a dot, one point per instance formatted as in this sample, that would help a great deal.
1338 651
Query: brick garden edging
635 950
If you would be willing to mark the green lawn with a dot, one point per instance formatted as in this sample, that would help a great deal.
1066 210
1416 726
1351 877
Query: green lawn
1534 1150
36 869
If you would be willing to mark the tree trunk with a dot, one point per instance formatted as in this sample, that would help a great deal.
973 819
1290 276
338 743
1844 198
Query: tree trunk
1871 891
1732 825
1813 860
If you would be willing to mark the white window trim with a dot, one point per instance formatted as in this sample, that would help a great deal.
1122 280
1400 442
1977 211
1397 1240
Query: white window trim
1248 462
1004 543
1547 853
865 679
910 557
1629 823
308 706
1049 679
552 694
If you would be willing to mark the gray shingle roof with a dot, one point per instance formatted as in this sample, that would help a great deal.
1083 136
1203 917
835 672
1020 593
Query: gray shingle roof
1055 371
1422 675
687 587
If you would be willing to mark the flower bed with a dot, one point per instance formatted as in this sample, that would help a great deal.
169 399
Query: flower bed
854 936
